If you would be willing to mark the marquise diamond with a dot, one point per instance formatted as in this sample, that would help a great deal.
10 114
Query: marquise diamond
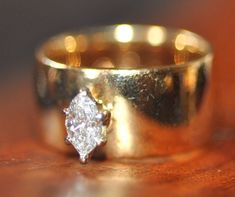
84 124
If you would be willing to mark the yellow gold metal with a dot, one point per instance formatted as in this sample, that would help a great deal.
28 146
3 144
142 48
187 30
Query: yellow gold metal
153 80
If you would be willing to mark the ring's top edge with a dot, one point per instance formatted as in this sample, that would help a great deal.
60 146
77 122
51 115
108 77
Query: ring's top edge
130 33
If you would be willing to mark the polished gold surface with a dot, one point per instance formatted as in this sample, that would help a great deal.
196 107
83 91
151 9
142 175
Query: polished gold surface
154 80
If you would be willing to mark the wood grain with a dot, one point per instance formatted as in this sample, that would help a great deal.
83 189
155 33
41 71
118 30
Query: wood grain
28 168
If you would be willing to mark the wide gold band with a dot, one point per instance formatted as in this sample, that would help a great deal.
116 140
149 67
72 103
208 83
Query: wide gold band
154 81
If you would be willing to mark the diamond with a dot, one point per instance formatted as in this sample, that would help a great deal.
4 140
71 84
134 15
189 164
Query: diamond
85 124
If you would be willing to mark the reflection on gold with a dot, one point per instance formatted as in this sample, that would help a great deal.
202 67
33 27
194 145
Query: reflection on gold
124 72
99 42
91 73
123 136
180 42
52 63
70 44
82 42
168 81
186 40
103 62
208 61
193 44
180 58
130 59
156 35
109 106
73 58
190 79
124 33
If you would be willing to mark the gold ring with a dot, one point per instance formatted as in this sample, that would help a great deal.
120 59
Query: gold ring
138 90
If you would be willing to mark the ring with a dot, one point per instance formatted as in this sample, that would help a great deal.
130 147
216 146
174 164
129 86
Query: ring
124 91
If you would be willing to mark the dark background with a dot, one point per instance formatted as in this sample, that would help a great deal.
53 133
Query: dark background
24 24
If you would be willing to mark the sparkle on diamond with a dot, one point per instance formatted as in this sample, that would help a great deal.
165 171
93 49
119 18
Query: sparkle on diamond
83 128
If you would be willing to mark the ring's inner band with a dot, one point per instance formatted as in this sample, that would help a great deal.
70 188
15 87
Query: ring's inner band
125 46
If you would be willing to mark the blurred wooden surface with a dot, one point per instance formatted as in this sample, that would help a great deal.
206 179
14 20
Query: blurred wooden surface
27 168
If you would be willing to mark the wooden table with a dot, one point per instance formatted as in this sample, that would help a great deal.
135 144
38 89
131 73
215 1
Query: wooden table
27 168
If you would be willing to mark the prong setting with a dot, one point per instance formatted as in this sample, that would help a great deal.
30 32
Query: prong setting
106 115
84 159
84 91
66 140
66 111
99 117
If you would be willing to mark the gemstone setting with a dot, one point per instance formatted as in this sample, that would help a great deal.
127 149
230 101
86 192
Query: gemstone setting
84 123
